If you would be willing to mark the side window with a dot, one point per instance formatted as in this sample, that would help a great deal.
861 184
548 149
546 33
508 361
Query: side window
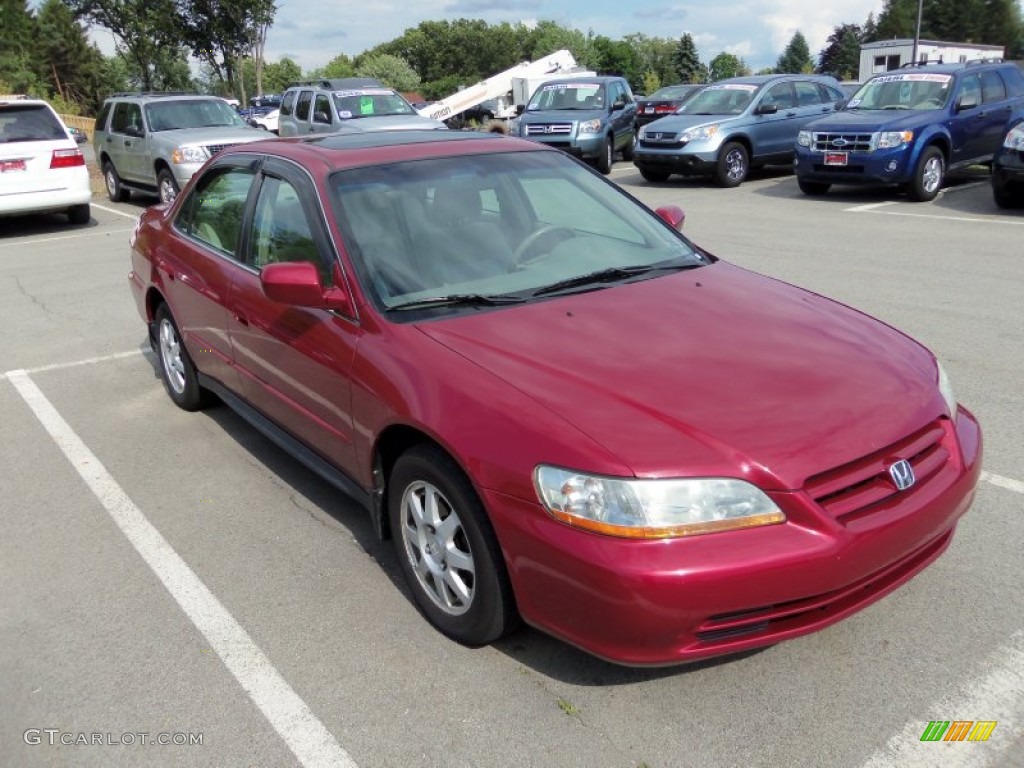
303 104
281 229
213 213
627 94
1014 79
322 109
120 119
781 95
829 95
992 88
288 104
101 119
807 93
970 89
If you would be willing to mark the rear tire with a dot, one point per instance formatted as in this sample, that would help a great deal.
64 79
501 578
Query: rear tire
813 188
115 190
604 161
447 549
654 176
928 175
79 214
733 165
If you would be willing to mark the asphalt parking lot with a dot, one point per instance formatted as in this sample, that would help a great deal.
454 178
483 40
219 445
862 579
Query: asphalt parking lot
175 575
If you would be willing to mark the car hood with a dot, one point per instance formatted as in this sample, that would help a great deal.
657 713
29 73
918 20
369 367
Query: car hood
226 134
871 120
389 123
562 115
680 123
711 371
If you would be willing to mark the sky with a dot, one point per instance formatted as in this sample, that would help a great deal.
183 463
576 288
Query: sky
755 30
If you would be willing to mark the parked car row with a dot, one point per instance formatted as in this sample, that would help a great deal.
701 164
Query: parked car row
906 129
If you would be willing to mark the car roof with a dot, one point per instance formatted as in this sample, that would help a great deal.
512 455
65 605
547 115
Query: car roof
584 79
23 102
166 96
762 79
947 69
336 151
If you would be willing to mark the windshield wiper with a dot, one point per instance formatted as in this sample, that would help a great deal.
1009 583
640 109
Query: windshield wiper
457 300
610 275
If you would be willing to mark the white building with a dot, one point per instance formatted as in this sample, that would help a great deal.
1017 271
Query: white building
885 55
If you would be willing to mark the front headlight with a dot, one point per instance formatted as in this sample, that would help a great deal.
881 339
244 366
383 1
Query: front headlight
700 132
1015 138
893 139
189 155
804 138
947 390
652 509
590 126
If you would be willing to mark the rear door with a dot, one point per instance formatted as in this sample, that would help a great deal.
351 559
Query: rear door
303 113
997 108
295 361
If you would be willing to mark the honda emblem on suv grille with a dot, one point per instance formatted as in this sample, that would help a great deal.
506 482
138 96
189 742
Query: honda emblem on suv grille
902 474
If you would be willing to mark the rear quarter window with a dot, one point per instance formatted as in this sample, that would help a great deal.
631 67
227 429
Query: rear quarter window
101 118
1014 80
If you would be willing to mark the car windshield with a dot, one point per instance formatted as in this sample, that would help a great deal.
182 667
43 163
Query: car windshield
473 229
724 99
670 93
568 96
197 113
29 122
903 91
370 102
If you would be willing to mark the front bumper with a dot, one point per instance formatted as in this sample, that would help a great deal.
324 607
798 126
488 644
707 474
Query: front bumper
686 163
883 166
588 145
1008 173
666 602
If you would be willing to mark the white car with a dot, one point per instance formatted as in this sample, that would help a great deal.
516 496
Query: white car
42 169
268 122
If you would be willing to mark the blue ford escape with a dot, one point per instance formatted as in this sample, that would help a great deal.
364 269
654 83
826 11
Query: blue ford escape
909 127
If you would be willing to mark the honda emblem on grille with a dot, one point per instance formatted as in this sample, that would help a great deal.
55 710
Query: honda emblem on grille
902 474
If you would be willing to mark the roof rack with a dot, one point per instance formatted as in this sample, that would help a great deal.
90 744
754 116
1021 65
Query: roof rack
129 94
340 83
978 62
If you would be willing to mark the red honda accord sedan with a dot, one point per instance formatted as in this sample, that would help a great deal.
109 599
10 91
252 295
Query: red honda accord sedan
558 408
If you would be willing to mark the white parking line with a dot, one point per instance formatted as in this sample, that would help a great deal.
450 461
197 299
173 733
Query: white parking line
994 219
35 240
77 363
998 696
1003 482
305 735
114 210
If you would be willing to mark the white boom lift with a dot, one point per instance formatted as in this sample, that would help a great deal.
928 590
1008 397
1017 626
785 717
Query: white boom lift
497 87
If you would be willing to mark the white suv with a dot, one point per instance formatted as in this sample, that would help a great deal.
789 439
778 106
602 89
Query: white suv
41 167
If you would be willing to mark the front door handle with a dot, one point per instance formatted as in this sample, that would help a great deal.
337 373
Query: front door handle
242 320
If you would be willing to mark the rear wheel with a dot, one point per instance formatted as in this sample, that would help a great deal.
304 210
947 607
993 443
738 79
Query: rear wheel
447 549
733 165
928 175
115 191
813 187
166 186
653 176
604 160
79 214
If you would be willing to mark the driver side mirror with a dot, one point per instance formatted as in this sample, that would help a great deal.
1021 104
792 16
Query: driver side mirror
673 216
766 109
967 101
520 108
134 131
321 117
620 104
298 284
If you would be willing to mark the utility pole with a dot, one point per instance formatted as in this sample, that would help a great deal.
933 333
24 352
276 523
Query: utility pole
917 31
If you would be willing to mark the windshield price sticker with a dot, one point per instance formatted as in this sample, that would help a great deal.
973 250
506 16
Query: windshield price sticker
364 92
913 77
731 87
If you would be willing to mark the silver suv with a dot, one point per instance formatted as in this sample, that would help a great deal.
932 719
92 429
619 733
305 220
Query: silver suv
154 142
348 105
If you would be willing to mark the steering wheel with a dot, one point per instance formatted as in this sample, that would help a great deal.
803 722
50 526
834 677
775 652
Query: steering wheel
557 234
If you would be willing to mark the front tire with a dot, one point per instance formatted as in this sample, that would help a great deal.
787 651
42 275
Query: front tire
115 190
813 188
654 176
928 175
447 549
627 151
733 165
177 370
167 186
604 160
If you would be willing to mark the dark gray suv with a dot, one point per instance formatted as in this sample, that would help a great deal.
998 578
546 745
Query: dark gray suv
154 142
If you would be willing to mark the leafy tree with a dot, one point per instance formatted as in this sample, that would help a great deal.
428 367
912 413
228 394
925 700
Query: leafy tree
654 55
340 66
73 66
727 65
686 61
616 57
796 58
19 35
651 82
390 70
841 55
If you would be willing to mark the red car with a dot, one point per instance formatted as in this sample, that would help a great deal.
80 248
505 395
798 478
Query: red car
559 408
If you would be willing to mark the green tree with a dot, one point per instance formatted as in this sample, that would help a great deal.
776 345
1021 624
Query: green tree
651 82
841 55
796 58
686 61
19 36
654 55
339 66
73 67
727 65
390 70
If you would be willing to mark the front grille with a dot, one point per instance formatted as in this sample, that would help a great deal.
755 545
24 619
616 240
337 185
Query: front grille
848 142
660 137
213 149
545 129
863 486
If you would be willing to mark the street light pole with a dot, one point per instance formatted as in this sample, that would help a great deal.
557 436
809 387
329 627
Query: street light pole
917 31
